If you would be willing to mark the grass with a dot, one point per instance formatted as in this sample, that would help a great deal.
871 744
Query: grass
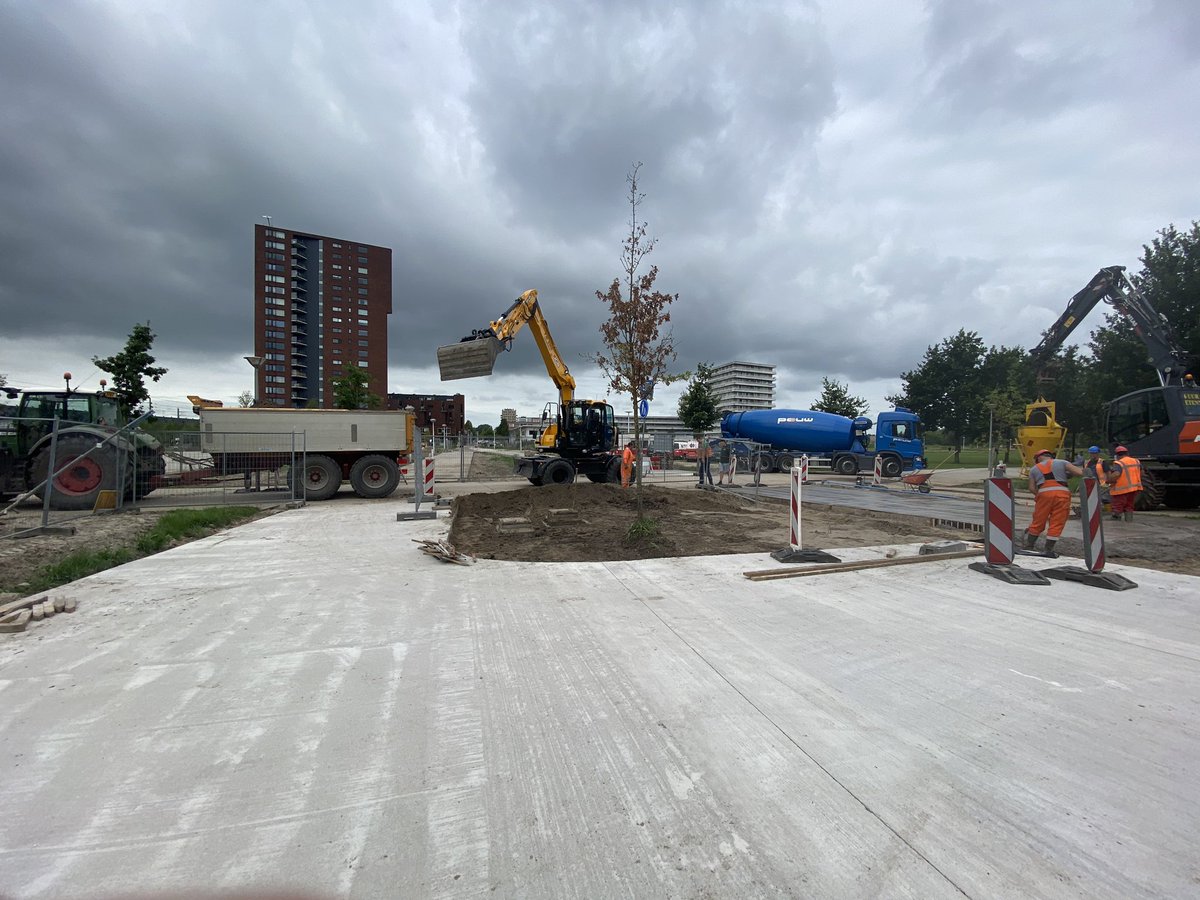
175 526
642 529
491 466
969 458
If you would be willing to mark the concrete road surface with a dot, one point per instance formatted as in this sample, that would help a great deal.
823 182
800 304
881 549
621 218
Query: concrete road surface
308 701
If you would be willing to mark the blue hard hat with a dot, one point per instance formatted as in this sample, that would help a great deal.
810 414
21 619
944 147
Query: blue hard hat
1093 449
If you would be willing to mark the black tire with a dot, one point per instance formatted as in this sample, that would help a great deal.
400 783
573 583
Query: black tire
374 476
558 471
1152 494
846 465
613 475
786 461
80 484
322 478
923 488
891 467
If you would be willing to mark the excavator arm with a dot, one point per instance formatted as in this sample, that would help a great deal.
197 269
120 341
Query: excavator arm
476 354
1113 286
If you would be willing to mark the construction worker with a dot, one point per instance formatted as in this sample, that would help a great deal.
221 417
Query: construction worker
1124 484
1098 468
1048 483
627 460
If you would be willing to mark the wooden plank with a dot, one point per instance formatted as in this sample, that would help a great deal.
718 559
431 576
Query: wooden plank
14 605
830 568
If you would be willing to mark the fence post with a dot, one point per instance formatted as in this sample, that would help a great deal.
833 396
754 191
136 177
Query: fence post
50 473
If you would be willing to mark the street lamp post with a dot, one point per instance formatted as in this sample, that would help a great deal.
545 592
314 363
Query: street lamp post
255 362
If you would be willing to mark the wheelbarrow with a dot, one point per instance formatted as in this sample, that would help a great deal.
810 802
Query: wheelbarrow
917 481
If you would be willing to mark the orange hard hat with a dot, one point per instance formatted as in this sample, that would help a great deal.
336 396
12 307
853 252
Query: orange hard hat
1043 453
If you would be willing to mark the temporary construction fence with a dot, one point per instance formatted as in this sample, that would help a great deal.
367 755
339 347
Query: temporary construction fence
223 468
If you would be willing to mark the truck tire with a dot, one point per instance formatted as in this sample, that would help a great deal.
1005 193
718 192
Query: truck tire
846 465
374 476
786 461
322 477
613 474
558 471
891 467
80 484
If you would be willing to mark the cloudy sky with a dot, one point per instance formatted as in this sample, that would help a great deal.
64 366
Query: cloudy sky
833 185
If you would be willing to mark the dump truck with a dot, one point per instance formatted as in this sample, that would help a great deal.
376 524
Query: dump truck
1159 425
579 437
830 440
95 450
329 446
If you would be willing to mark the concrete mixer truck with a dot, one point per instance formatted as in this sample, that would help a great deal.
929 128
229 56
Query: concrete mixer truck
829 440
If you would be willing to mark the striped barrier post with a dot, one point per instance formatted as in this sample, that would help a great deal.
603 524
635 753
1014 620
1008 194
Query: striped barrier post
878 479
795 517
999 513
804 469
1091 517
427 489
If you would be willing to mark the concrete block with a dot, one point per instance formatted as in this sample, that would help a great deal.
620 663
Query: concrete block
15 622
416 514
59 604
561 516
69 605
48 609
37 612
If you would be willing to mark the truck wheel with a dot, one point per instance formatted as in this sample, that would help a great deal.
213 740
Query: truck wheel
613 474
785 461
846 465
80 484
322 477
891 467
374 476
558 471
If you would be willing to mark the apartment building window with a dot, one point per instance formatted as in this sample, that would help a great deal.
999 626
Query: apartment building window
338 246
336 319
362 352
275 301
363 301
277 323
274 390
277 279
362 291
275 245
337 331
336 266
278 257
363 322
275 379
364 343
275 234
362 363
362 271
337 340
362 250
273 367
363 281
337 277
277 356
274 345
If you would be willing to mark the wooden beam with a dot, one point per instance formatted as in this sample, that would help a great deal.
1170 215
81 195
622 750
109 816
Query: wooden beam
831 568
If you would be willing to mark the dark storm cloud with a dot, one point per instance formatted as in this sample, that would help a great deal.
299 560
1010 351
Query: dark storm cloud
834 186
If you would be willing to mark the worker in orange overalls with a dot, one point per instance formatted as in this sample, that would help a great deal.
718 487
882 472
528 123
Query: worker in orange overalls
1048 483
627 460
1127 484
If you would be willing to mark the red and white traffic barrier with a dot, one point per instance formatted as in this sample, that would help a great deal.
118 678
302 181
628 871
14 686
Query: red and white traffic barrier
999 513
804 469
427 484
795 517
1091 518
404 469
878 479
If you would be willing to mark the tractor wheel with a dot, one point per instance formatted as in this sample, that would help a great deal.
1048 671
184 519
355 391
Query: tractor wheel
891 467
846 465
322 478
91 471
374 476
558 471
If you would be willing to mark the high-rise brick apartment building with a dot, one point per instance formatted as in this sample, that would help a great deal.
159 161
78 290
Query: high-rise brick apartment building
320 305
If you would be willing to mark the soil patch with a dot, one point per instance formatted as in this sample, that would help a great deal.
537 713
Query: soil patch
688 523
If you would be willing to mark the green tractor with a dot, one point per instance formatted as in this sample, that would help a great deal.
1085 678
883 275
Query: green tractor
91 437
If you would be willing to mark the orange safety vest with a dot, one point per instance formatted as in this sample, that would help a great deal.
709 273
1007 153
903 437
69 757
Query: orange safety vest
627 456
1130 479
1049 482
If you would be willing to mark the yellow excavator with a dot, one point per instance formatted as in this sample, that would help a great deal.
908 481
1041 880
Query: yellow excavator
579 437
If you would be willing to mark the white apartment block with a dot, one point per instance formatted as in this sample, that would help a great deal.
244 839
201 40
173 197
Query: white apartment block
744 385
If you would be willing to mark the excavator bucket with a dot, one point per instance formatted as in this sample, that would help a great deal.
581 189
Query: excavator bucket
468 358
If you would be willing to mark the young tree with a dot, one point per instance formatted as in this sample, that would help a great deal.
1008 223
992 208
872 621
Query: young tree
351 390
836 398
245 399
636 350
131 367
697 408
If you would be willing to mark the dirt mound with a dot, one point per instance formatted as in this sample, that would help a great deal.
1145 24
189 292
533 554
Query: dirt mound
689 522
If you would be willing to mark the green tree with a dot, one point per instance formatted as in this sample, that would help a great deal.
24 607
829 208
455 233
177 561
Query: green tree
836 398
352 390
944 389
485 430
502 428
637 350
131 367
697 408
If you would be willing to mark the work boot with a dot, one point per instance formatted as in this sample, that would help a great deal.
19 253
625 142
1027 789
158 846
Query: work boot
1128 515
1030 540
1050 542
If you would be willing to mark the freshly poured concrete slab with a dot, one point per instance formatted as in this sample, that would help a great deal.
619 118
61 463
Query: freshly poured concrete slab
309 701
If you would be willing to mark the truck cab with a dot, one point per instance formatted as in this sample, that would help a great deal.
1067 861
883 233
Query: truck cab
899 431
